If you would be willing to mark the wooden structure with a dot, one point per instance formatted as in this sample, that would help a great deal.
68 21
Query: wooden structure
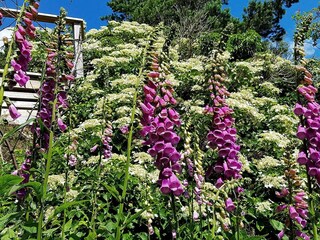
25 98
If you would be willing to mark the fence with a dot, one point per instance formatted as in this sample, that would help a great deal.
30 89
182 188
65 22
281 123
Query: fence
25 98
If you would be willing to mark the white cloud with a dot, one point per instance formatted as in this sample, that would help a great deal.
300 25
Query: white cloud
309 49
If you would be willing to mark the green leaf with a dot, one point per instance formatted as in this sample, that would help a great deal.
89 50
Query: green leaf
64 206
127 221
111 226
13 131
7 181
30 229
5 219
276 224
259 226
50 231
113 191
68 225
91 236
36 186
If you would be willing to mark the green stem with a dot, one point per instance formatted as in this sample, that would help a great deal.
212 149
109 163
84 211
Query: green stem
6 66
213 231
191 214
292 235
66 177
50 150
238 220
175 215
45 183
311 208
95 187
64 201
129 148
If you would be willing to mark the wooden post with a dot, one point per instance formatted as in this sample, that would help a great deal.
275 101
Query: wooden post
78 56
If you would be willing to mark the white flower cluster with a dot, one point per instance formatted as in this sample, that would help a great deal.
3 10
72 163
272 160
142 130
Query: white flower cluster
269 89
266 163
279 109
244 102
90 124
273 138
189 65
71 195
130 28
264 102
264 206
54 181
142 157
125 80
286 122
253 66
245 163
272 181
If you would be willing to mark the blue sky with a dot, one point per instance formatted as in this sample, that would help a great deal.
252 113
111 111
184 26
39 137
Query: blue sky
92 11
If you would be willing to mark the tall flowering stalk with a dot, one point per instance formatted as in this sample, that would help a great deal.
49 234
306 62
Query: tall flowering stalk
105 152
129 146
53 101
23 172
295 206
308 111
222 137
23 31
158 121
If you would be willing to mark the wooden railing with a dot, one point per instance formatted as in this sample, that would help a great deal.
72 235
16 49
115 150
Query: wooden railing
26 98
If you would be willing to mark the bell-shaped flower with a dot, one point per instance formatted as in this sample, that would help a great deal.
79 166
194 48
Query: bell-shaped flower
302 132
302 158
61 125
14 114
230 207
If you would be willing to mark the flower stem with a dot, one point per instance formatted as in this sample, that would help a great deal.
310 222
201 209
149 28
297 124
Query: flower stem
45 183
6 66
311 208
50 149
64 201
66 182
173 201
129 148
95 187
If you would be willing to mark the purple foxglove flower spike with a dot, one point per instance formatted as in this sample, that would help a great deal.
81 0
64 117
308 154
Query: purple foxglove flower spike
158 122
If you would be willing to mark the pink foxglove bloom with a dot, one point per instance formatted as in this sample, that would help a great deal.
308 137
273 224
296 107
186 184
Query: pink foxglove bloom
25 174
72 160
309 130
158 122
222 136
230 207
61 125
14 112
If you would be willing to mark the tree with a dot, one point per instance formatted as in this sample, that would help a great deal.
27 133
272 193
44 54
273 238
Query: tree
264 17
170 12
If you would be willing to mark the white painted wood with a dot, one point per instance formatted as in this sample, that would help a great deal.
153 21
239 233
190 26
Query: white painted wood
24 116
21 104
21 95
78 56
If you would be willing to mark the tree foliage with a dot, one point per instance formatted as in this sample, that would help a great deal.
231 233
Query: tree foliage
264 17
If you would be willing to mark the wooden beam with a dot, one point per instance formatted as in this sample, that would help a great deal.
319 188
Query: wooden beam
43 17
